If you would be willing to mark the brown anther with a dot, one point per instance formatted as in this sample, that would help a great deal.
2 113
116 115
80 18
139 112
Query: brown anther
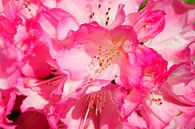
108 18
106 23
90 16
100 64
180 113
107 13
93 14
109 8
99 6
160 103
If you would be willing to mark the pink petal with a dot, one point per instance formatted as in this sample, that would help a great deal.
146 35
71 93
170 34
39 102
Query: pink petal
52 20
180 82
74 61
147 24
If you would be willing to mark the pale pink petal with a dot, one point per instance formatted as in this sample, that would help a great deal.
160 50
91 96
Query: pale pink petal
33 99
56 21
74 61
146 23
180 83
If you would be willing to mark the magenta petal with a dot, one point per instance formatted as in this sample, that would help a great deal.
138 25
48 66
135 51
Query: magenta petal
29 119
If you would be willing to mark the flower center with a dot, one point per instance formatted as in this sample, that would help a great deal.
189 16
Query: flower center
102 60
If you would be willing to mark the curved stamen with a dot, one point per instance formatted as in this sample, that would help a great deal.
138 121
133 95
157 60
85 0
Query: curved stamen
95 102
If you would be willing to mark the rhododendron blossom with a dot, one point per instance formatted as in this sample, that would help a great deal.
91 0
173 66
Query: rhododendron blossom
97 64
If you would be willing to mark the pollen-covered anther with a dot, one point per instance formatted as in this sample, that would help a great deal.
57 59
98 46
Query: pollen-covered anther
155 99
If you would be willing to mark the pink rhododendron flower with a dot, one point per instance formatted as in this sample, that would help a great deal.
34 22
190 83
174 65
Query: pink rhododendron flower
147 23
106 12
97 64
172 44
96 111
94 59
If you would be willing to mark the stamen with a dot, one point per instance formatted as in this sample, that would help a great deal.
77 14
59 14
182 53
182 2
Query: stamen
25 5
155 99
142 43
102 60
85 125
99 6
52 81
179 113
95 102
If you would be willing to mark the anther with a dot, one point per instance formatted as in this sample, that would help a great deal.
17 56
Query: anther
99 6
106 23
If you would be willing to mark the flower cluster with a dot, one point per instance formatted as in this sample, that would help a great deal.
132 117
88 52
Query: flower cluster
97 64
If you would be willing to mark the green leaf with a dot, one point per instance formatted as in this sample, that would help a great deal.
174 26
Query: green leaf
143 4
189 1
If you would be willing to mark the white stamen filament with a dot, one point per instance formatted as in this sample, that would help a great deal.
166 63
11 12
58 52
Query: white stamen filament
95 102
